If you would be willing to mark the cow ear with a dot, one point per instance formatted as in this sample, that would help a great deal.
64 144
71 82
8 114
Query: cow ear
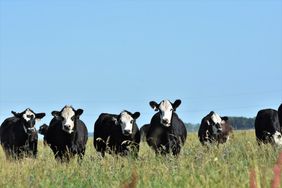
19 115
136 115
154 105
211 113
56 114
78 112
176 104
39 116
115 120
225 118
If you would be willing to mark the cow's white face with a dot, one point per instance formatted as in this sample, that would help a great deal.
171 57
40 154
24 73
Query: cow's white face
126 122
28 115
277 138
166 110
216 123
29 118
68 115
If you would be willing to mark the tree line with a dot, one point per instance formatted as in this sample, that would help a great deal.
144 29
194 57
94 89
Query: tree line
238 123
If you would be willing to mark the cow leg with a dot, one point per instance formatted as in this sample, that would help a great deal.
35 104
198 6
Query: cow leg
103 153
134 150
176 147
9 153
81 154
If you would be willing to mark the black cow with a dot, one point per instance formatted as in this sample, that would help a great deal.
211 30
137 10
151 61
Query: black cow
267 127
18 135
117 134
144 131
214 129
167 131
280 116
43 130
67 135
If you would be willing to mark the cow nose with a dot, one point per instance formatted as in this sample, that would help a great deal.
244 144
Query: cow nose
126 132
30 130
165 121
67 127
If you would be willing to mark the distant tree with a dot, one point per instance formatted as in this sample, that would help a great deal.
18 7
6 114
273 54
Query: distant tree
238 123
192 127
242 123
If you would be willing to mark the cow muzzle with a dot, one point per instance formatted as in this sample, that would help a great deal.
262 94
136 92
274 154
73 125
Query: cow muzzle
165 122
67 128
127 132
29 130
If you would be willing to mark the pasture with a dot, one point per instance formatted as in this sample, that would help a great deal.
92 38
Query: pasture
228 165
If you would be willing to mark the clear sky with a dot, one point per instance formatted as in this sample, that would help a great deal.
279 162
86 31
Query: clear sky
108 56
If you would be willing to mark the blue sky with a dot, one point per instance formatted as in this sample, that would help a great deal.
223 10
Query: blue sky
109 56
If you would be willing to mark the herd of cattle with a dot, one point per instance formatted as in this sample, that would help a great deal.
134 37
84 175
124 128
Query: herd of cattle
119 134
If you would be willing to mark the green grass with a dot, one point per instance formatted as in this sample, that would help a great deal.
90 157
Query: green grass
224 166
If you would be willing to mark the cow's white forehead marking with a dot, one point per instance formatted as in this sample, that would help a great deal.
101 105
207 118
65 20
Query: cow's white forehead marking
165 105
27 113
216 118
67 112
126 122
68 122
277 138
124 116
166 110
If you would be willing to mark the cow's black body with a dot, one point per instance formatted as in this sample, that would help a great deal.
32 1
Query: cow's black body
15 141
280 115
166 139
206 133
266 124
108 137
144 131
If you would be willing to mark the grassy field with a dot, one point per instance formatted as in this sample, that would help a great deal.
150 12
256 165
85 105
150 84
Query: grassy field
224 166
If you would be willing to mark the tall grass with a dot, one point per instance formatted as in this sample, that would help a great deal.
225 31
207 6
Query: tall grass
228 165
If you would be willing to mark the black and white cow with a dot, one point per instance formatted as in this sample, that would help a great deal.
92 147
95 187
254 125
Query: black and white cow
214 128
67 135
18 135
267 127
167 131
43 130
144 131
117 134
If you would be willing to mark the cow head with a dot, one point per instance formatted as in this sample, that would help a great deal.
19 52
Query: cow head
277 137
126 120
43 129
29 119
166 109
215 122
68 116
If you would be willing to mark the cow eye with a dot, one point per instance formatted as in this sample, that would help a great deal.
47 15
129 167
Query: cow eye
131 121
30 116
171 109
72 118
